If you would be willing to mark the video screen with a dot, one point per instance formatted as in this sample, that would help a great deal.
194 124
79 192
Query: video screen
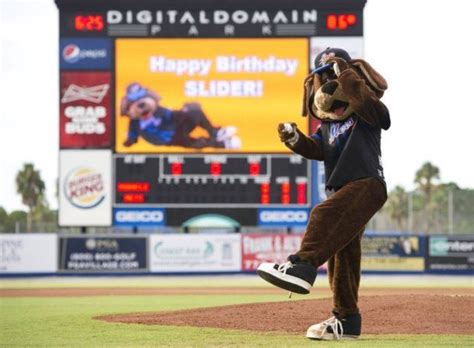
207 95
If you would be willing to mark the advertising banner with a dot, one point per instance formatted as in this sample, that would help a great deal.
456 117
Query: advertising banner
139 217
283 217
85 110
85 54
450 253
258 248
28 253
85 188
103 254
393 253
207 95
195 253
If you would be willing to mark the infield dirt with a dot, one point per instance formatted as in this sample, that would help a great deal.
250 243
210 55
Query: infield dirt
382 314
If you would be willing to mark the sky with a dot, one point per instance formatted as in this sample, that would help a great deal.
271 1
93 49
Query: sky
422 47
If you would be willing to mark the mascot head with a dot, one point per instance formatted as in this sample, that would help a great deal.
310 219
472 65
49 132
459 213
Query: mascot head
324 97
138 101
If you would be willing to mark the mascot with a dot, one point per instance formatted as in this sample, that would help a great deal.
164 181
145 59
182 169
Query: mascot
162 126
344 94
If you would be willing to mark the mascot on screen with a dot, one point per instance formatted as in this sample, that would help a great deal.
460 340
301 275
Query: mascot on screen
162 126
344 94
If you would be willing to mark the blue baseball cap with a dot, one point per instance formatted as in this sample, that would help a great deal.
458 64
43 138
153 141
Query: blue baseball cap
320 60
135 91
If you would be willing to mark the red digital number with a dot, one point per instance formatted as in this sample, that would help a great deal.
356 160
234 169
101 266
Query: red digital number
176 168
89 23
254 169
340 21
215 169
133 187
133 198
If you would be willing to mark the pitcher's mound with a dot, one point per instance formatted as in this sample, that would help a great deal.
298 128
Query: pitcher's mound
388 314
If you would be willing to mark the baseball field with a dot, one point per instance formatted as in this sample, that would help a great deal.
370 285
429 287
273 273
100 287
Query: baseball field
237 311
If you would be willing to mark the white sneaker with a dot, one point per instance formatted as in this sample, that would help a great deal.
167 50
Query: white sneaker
295 277
320 331
233 143
226 133
335 329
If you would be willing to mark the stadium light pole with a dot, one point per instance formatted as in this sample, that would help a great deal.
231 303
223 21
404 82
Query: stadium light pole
410 212
450 211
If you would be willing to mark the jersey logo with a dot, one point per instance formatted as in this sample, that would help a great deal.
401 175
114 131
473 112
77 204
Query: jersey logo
338 129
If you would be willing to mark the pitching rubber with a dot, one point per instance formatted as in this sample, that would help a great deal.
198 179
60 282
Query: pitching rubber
282 280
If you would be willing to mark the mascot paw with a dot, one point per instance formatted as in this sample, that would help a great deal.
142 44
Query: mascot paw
339 65
287 133
129 142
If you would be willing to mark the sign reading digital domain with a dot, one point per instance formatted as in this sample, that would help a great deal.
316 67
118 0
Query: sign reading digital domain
205 19
85 192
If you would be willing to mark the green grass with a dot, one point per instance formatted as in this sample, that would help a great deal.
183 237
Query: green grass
399 281
62 321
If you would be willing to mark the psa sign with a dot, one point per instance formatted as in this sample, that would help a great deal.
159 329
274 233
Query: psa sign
145 217
282 217
85 54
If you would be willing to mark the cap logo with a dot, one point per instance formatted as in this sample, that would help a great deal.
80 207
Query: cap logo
325 57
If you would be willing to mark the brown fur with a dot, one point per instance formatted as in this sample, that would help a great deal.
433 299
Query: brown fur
334 233
335 227
359 85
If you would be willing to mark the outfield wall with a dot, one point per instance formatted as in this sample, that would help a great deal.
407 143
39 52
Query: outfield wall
36 254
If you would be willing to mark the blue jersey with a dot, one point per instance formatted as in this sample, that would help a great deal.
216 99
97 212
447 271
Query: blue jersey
158 129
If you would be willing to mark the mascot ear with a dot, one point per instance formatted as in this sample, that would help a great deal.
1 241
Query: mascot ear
311 85
375 80
154 95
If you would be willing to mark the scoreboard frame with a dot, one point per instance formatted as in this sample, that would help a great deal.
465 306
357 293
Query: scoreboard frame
88 30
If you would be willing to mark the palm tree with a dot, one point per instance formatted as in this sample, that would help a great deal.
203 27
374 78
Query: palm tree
31 187
397 206
424 178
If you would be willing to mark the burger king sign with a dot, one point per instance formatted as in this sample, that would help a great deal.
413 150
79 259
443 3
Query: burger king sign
85 198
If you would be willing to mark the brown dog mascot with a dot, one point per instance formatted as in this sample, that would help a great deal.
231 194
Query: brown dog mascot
162 126
344 94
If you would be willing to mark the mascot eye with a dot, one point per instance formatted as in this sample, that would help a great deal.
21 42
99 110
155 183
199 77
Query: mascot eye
141 105
328 76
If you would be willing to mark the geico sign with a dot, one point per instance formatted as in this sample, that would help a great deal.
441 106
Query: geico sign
284 216
139 216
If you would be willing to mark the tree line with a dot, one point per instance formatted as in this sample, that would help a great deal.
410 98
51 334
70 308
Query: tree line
30 186
432 207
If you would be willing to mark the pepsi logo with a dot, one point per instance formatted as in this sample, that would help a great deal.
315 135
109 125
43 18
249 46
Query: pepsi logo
71 53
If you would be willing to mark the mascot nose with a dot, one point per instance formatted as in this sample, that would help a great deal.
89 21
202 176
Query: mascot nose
329 87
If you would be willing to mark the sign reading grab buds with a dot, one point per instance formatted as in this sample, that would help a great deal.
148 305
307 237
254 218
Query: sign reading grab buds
85 188
85 110
144 217
283 217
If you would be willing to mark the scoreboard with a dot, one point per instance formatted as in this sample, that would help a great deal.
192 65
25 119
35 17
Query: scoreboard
169 109
212 180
